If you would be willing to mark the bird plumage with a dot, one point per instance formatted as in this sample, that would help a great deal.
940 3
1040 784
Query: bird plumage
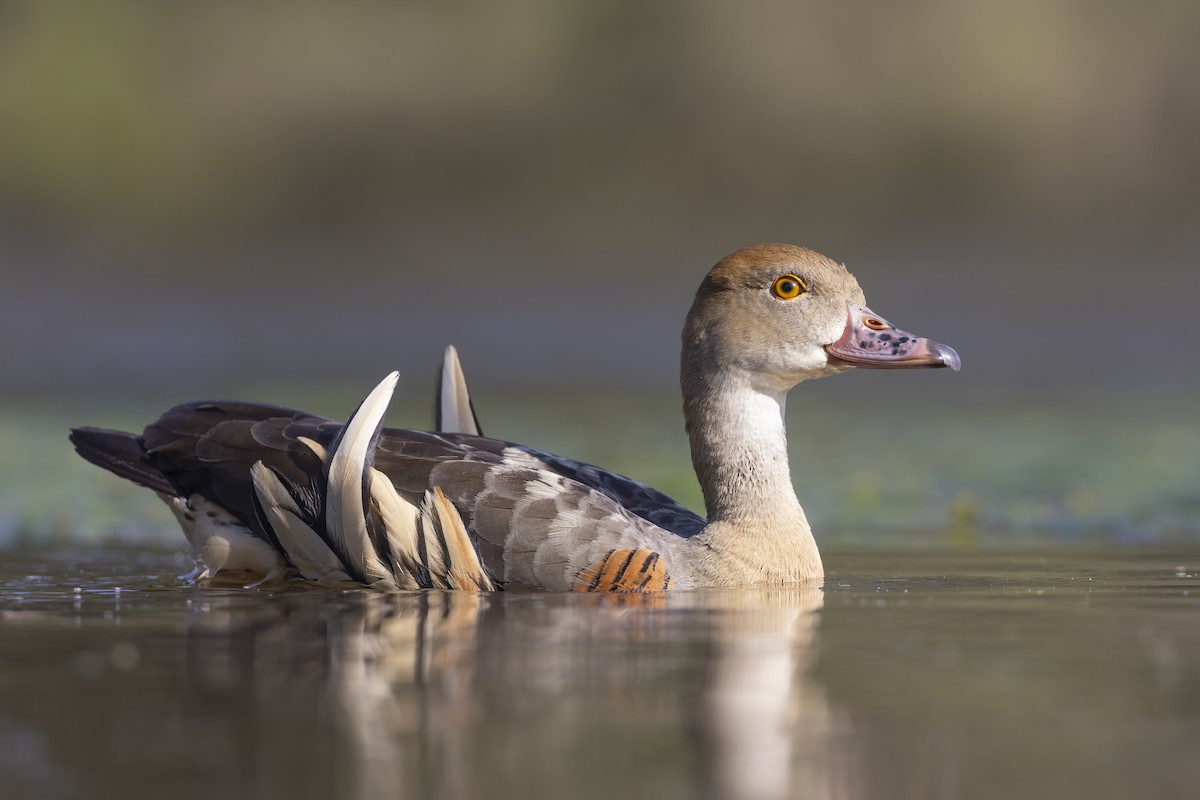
281 493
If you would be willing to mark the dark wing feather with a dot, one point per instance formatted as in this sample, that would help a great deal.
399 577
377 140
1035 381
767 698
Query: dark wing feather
209 447
120 453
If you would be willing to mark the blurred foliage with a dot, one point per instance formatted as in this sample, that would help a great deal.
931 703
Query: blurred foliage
197 194
962 474
481 173
149 121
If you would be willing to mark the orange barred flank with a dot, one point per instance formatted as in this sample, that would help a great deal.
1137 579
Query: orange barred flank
625 570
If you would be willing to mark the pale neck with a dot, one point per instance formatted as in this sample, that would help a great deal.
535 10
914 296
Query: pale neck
739 451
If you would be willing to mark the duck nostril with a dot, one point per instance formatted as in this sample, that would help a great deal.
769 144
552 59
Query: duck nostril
875 324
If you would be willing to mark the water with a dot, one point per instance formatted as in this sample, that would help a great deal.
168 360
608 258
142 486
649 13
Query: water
1010 611
1059 672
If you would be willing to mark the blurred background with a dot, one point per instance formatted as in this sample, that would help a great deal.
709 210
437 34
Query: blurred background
284 200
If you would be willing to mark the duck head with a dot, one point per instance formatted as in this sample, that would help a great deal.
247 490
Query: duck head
780 314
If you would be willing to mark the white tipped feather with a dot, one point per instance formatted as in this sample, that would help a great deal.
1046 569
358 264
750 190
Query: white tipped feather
345 518
316 447
454 401
304 547
399 518
430 546
464 570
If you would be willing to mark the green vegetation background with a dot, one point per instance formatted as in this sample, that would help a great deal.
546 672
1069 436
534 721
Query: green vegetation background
284 201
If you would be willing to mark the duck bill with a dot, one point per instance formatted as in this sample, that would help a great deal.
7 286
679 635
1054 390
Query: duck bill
871 341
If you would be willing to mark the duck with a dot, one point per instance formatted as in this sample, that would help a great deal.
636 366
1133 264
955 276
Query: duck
278 494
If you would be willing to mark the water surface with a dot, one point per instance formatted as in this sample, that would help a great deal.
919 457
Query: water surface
1064 672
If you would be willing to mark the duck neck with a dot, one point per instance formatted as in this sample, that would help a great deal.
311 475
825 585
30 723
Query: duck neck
739 451
757 533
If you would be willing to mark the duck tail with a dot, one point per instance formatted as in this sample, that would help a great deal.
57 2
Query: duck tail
122 454
346 524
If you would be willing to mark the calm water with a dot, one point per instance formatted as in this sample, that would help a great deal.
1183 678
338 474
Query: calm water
1057 673
1020 619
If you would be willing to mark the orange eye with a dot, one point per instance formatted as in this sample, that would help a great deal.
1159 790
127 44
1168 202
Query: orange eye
788 287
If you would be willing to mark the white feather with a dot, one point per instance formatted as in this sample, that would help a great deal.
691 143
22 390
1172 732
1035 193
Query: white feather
316 447
399 519
456 413
345 518
435 558
304 547
220 541
463 570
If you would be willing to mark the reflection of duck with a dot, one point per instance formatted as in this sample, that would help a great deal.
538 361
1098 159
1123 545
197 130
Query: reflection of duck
459 694
762 727
281 492
349 696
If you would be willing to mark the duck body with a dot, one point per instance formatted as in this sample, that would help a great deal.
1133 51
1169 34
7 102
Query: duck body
530 514
279 493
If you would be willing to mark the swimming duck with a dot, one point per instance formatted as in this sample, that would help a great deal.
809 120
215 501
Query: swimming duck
279 493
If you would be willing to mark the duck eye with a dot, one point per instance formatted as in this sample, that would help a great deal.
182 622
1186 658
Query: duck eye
788 287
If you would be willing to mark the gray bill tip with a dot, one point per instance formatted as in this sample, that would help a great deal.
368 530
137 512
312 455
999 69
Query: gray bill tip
949 356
